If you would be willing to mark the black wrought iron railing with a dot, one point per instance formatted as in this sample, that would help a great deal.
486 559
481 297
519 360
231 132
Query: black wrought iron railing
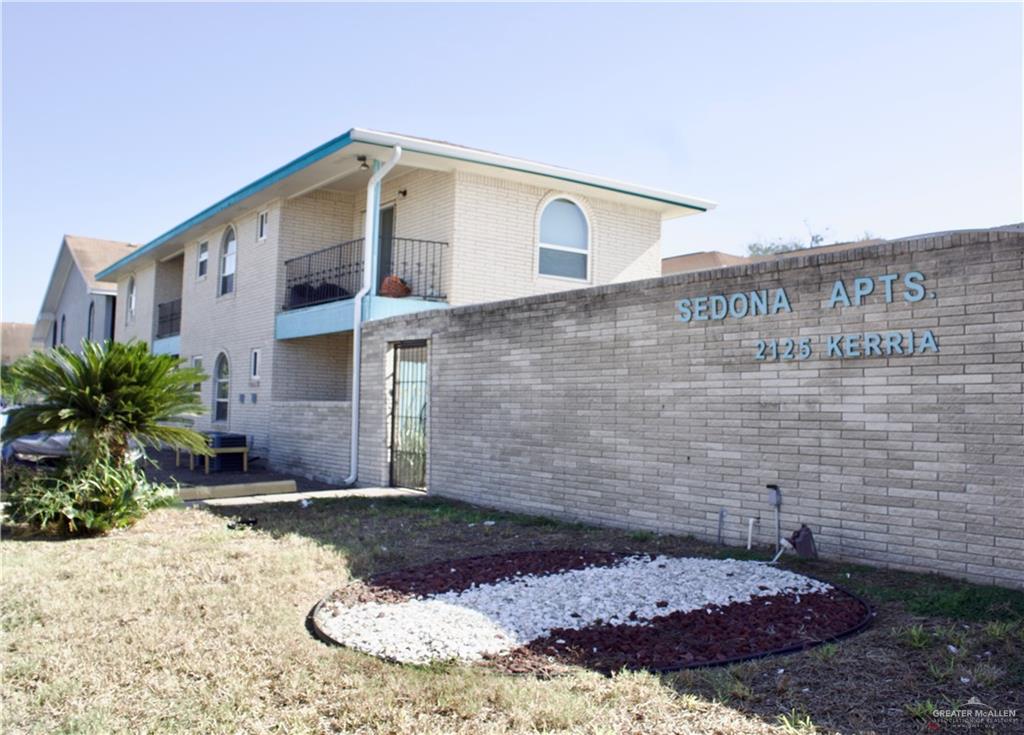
336 273
420 263
168 319
331 274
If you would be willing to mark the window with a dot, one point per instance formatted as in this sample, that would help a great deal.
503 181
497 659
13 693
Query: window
254 366
203 260
221 389
62 324
129 313
228 253
564 245
53 336
197 363
262 219
89 320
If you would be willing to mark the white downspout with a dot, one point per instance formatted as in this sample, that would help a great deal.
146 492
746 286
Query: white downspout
369 273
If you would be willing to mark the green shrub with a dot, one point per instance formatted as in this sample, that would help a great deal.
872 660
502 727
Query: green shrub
108 396
79 499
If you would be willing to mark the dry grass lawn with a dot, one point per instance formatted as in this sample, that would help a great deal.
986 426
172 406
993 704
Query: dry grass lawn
180 625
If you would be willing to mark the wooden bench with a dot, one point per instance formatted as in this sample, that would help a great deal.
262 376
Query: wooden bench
244 451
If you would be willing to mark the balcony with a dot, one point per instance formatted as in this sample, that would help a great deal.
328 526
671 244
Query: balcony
336 273
320 286
167 337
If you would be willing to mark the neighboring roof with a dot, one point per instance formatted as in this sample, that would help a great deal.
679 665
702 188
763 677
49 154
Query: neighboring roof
87 255
92 255
338 157
15 341
704 260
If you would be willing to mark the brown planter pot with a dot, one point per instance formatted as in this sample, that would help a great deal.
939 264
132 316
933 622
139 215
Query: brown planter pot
394 287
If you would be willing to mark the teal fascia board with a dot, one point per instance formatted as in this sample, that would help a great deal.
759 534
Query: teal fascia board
382 307
336 316
339 316
167 345
255 187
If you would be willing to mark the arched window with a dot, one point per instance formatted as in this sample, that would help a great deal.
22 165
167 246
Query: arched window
228 253
564 247
53 337
129 312
62 325
89 320
221 388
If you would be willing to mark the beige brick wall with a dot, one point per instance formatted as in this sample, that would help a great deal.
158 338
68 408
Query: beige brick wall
496 228
600 405
168 280
309 223
235 324
313 368
140 324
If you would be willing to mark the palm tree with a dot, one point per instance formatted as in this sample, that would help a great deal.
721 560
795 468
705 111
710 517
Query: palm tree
110 394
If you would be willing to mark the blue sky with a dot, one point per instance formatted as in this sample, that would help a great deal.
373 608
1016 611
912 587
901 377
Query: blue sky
119 121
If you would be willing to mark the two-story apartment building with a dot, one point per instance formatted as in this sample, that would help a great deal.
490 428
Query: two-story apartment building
267 289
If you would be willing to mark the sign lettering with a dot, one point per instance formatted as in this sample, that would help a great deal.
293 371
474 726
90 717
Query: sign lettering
908 288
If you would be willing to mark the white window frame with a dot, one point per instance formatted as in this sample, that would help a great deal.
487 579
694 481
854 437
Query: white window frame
589 252
222 259
129 307
216 389
202 258
262 224
255 363
197 362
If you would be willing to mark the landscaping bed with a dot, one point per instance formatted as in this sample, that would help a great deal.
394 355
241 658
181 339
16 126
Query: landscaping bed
182 624
598 609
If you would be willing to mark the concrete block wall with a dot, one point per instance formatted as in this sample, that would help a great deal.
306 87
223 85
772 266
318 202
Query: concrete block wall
312 438
601 405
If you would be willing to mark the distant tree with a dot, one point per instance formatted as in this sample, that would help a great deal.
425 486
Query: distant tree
781 245
12 389
775 247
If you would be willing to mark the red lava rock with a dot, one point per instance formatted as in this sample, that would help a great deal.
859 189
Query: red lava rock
709 635
739 630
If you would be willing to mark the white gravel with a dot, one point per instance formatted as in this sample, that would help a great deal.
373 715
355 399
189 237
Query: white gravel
495 618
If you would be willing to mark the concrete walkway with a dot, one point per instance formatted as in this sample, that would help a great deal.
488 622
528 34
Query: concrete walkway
356 492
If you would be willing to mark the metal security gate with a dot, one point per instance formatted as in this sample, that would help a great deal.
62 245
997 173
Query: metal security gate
409 415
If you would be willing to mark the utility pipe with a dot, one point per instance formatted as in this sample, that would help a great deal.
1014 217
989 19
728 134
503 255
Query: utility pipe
369 271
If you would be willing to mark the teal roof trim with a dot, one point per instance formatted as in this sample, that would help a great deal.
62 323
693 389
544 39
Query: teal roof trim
255 187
